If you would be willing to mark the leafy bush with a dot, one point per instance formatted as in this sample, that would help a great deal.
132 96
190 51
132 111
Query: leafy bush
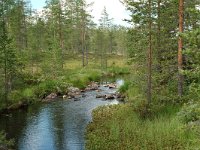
4 143
190 112
49 86
194 91
15 96
28 94
45 88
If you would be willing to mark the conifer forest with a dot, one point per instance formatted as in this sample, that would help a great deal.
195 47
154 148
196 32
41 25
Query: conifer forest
70 82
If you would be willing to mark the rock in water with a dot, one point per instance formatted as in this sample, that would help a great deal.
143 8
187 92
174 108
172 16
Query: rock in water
51 96
93 86
109 97
72 92
64 96
101 96
112 86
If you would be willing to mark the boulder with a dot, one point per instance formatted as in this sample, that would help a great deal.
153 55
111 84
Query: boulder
51 96
120 96
83 95
72 92
71 96
77 99
64 96
100 96
92 87
112 86
110 97
98 90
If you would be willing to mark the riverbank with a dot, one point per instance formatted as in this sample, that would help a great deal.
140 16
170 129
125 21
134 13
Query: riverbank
37 86
64 118
134 126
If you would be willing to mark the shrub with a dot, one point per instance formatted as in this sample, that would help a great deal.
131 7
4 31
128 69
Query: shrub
28 94
4 143
15 96
190 112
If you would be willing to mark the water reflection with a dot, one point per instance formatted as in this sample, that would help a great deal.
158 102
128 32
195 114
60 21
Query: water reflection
55 126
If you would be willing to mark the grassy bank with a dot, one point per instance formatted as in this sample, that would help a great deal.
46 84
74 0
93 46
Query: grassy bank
120 128
131 126
33 87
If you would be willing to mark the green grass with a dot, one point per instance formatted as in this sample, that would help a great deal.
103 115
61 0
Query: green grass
119 127
34 86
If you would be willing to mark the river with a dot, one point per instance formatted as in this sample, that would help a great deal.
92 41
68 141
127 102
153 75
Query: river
58 125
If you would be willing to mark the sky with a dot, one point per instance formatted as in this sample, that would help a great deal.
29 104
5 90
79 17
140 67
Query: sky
115 9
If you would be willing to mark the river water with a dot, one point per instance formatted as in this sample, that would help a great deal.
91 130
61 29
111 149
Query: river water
58 125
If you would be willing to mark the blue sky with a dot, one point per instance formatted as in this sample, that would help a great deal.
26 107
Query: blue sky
38 4
114 8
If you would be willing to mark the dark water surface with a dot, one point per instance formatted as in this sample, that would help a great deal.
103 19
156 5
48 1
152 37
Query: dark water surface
58 125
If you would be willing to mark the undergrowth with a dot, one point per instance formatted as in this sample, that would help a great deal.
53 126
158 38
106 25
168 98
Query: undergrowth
119 127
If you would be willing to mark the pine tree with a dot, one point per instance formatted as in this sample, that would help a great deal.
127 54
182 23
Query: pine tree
7 54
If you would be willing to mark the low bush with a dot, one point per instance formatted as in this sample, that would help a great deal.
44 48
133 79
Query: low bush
15 96
28 94
4 143
190 112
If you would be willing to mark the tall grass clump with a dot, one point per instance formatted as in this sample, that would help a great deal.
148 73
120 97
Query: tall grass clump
119 127
124 88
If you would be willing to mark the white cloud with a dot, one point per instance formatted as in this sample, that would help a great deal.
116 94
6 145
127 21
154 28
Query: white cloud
115 9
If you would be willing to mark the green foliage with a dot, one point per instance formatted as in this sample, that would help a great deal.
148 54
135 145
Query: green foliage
48 86
94 75
82 79
15 96
25 95
28 94
124 88
190 112
79 81
114 70
119 127
4 143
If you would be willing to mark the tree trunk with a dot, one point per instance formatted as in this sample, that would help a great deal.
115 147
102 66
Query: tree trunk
159 51
83 46
149 76
60 33
86 48
5 54
180 48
